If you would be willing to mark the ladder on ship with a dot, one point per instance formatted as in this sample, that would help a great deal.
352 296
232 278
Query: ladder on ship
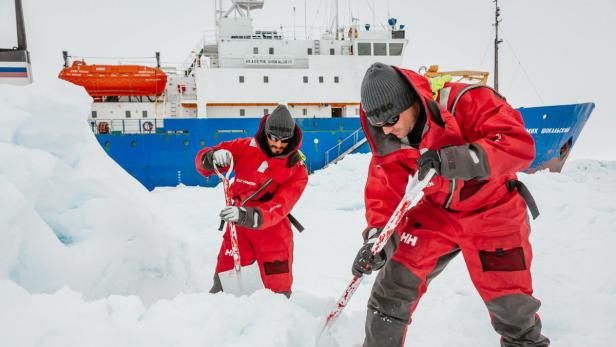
348 145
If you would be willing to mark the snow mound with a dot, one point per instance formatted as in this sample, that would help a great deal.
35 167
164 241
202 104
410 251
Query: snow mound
70 216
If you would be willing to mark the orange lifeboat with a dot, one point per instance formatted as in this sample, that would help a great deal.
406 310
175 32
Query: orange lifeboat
116 80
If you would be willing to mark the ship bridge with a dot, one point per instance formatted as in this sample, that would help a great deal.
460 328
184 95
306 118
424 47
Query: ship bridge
247 71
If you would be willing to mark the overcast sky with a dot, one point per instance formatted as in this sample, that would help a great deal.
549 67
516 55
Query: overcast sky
555 51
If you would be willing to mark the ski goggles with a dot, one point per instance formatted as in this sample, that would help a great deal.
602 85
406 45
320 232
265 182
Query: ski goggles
389 122
279 138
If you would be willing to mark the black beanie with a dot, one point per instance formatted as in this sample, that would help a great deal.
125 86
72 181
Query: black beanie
385 93
280 123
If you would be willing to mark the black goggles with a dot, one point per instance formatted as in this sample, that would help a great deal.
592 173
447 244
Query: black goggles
278 138
390 122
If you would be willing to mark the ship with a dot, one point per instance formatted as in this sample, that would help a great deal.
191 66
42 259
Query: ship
152 120
15 67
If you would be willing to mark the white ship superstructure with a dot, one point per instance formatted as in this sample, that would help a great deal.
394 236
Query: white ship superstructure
241 71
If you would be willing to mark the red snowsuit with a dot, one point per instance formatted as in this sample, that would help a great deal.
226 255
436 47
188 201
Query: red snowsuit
484 218
271 244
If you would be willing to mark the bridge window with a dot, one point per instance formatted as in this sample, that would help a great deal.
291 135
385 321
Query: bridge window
271 50
380 48
144 114
395 48
127 114
305 79
94 114
241 79
332 51
304 111
265 111
255 50
320 79
309 51
242 112
336 79
364 48
265 79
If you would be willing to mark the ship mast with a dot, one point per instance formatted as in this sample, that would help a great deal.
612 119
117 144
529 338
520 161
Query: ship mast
21 28
336 1
497 41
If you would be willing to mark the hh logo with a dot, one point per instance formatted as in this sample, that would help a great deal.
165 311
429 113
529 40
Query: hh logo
229 252
408 239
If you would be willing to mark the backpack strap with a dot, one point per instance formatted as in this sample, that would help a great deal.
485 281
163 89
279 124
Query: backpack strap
297 157
461 94
435 112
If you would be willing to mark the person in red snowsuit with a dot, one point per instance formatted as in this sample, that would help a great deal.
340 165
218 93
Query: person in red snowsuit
476 142
269 179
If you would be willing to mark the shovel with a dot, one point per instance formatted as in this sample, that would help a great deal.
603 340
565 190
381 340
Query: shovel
414 193
241 280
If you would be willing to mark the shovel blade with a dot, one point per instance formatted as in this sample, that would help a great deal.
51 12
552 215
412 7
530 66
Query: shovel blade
244 282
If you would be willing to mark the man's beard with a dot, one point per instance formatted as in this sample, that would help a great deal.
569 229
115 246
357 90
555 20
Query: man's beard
276 150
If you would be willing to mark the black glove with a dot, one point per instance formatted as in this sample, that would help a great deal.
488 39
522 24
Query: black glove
365 262
430 159
244 216
463 162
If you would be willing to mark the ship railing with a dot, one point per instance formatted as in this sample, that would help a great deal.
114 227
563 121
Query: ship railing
126 126
285 32
208 38
344 147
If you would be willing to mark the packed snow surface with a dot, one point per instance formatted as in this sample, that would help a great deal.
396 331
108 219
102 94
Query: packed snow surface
88 257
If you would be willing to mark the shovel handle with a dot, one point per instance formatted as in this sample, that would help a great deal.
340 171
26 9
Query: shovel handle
235 250
411 198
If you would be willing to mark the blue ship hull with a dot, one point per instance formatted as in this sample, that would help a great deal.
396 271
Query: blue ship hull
166 157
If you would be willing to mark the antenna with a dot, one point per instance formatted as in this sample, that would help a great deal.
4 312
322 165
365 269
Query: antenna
294 36
388 10
373 13
219 11
336 1
497 41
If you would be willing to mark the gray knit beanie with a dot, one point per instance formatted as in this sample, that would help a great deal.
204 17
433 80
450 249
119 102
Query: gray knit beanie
280 123
385 93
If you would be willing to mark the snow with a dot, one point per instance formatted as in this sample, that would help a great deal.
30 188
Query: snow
89 257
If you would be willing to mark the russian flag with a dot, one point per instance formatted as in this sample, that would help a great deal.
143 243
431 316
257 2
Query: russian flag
13 72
